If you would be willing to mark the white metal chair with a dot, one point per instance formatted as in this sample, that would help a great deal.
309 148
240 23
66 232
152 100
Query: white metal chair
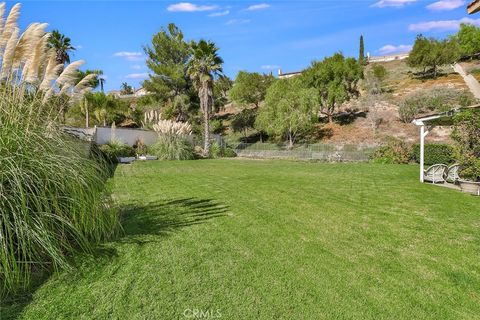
435 173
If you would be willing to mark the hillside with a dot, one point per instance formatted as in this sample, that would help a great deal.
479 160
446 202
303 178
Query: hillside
355 125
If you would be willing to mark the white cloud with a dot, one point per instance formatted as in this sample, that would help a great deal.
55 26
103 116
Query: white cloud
442 25
444 5
130 56
78 46
389 48
270 67
392 3
189 7
136 76
260 6
219 14
238 21
136 67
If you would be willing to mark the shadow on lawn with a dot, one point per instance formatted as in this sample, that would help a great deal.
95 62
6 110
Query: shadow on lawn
142 223
165 217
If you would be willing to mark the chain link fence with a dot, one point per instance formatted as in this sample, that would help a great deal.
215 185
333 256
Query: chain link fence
321 152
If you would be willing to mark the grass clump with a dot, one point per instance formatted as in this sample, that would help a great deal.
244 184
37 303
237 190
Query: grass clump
115 149
173 147
52 192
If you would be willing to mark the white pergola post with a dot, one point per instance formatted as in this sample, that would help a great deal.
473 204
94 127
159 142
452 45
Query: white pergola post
422 151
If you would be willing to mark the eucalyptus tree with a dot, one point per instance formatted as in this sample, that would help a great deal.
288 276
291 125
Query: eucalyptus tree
203 66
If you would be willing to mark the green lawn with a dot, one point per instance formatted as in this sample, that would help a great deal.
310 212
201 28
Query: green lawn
275 240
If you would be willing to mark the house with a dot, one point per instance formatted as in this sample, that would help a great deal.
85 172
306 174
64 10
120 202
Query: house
282 75
474 7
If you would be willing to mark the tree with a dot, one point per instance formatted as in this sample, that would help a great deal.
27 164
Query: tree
468 38
250 88
95 81
243 121
62 46
335 79
361 56
290 109
221 88
126 89
429 54
167 58
204 65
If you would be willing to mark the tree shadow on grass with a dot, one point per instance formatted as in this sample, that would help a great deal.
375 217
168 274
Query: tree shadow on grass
161 218
142 223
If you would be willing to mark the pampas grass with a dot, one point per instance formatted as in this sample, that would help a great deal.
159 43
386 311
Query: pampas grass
52 193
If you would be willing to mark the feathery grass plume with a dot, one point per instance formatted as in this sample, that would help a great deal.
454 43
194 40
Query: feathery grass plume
32 68
28 42
2 13
51 72
69 74
8 55
85 82
9 27
172 127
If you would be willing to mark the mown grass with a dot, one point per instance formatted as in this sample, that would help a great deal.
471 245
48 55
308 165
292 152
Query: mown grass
275 240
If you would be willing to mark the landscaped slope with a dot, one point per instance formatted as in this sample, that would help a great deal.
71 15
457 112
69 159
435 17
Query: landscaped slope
276 240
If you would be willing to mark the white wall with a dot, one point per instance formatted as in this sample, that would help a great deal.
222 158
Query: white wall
124 135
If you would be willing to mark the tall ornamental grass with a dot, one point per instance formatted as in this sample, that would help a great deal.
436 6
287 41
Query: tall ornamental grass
52 192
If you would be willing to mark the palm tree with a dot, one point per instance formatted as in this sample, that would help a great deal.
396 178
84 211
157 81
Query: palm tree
203 66
62 46
96 81
126 88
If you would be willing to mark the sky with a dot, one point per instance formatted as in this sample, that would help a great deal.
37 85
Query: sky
256 36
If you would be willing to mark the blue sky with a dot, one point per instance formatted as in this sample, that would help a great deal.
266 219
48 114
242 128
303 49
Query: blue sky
252 35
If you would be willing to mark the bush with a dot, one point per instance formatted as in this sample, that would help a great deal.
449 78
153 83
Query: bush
466 134
434 154
53 200
221 151
173 147
115 149
394 151
436 99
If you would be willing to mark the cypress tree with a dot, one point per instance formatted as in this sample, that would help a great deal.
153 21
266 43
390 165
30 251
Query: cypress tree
361 56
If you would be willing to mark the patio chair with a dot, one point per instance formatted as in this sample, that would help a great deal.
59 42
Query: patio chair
451 175
435 173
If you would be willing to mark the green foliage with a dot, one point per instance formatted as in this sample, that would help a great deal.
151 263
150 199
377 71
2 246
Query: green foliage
221 88
361 54
53 200
204 65
436 99
243 121
380 72
468 38
140 147
428 54
335 79
115 149
290 109
172 147
221 151
434 154
62 45
250 88
394 151
216 126
466 135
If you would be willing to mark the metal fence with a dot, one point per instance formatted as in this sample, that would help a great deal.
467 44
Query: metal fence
321 152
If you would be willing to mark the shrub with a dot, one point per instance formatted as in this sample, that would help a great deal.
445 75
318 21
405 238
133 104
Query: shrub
466 134
140 147
434 154
173 147
53 200
221 151
115 149
393 151
437 99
